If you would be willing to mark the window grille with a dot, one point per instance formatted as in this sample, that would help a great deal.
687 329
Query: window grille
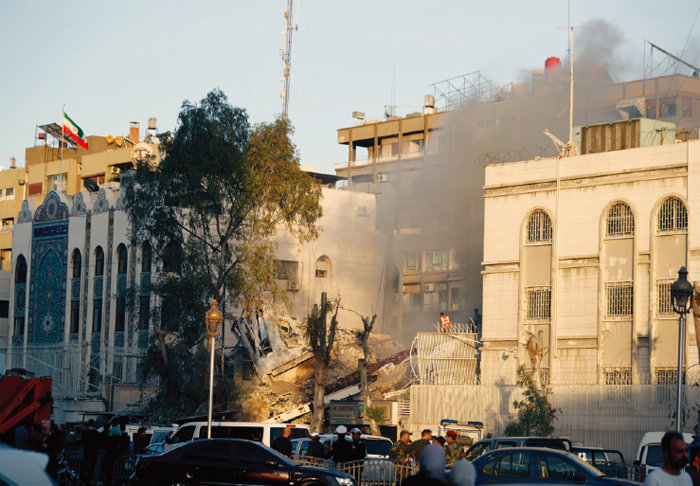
539 227
544 378
618 376
619 298
673 215
666 376
538 303
620 220
664 300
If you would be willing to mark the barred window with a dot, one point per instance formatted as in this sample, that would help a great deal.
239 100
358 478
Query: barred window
664 300
619 299
673 215
539 227
618 376
544 378
620 221
538 303
666 376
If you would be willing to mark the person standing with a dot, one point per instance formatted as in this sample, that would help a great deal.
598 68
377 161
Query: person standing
432 468
453 450
357 454
402 453
674 449
90 442
140 441
51 445
283 443
425 438
693 468
316 449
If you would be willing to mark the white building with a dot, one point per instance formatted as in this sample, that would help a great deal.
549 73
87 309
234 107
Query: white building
600 311
74 261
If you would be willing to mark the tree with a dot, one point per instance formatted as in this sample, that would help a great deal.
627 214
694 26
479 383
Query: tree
535 413
222 190
321 337
363 340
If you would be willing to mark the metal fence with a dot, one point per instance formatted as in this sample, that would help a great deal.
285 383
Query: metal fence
608 416
370 472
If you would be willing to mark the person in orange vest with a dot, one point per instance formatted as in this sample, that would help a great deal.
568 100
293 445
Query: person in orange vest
444 322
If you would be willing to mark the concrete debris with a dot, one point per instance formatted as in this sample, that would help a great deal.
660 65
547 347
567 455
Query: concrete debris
286 367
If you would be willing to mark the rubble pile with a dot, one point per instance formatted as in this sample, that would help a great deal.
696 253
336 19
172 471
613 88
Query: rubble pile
290 384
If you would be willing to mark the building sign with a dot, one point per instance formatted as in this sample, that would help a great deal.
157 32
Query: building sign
353 413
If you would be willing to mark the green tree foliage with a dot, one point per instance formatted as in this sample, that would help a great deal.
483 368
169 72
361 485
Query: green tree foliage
209 209
535 413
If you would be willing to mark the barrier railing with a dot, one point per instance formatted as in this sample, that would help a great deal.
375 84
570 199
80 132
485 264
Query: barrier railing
370 472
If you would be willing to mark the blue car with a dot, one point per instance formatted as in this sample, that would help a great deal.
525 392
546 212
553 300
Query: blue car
534 465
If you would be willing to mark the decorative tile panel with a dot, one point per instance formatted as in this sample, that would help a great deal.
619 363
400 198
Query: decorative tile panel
53 209
121 285
97 287
20 298
143 339
119 339
75 289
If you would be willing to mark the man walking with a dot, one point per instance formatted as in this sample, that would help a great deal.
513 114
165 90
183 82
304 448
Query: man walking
673 448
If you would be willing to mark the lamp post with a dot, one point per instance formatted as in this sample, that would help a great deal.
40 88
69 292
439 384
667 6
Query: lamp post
681 292
213 320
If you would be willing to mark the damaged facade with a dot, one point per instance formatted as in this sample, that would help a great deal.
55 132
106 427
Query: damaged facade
73 261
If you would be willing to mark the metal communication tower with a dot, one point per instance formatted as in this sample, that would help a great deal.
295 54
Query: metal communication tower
287 57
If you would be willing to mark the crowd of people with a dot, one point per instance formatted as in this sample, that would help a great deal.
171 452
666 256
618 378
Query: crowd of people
98 453
433 455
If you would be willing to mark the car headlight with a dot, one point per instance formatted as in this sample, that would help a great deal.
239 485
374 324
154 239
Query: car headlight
345 481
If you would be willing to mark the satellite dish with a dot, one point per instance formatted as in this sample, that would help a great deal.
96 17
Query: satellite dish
91 185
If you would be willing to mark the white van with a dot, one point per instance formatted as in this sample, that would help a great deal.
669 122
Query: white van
649 455
264 432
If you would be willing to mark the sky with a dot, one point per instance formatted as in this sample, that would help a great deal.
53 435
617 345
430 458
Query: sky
111 63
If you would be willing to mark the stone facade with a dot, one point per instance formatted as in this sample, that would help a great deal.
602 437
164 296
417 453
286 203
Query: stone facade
591 292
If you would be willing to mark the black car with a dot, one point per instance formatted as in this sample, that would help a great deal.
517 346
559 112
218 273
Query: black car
229 461
535 465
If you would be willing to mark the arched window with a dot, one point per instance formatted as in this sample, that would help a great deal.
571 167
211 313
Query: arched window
121 260
672 216
21 270
99 262
145 257
323 267
77 263
171 257
20 295
75 296
539 227
620 220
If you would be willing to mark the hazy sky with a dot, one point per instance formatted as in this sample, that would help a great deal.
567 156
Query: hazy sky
114 62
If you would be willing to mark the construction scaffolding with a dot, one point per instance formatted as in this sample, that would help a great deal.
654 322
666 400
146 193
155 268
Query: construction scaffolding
467 88
445 358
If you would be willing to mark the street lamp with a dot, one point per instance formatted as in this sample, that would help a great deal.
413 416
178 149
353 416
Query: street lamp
681 293
213 320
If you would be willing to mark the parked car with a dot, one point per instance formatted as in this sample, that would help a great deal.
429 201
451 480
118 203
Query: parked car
485 445
229 461
265 432
649 456
23 467
537 465
377 446
608 461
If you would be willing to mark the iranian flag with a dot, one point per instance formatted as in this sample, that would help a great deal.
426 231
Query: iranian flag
74 131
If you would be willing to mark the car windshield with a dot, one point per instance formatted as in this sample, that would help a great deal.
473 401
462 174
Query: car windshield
654 456
378 447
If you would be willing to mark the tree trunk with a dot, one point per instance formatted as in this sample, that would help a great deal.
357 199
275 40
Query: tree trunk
321 370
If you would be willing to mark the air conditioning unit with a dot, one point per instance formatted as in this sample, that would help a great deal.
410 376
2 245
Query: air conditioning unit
292 285
382 177
429 287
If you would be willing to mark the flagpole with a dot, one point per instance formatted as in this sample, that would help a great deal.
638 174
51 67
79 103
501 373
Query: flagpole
60 168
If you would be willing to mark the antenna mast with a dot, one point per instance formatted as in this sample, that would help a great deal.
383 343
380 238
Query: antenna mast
287 58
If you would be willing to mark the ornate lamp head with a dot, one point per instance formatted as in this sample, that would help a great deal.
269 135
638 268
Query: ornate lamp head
214 319
681 292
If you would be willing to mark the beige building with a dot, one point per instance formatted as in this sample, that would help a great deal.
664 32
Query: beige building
428 168
48 168
584 273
